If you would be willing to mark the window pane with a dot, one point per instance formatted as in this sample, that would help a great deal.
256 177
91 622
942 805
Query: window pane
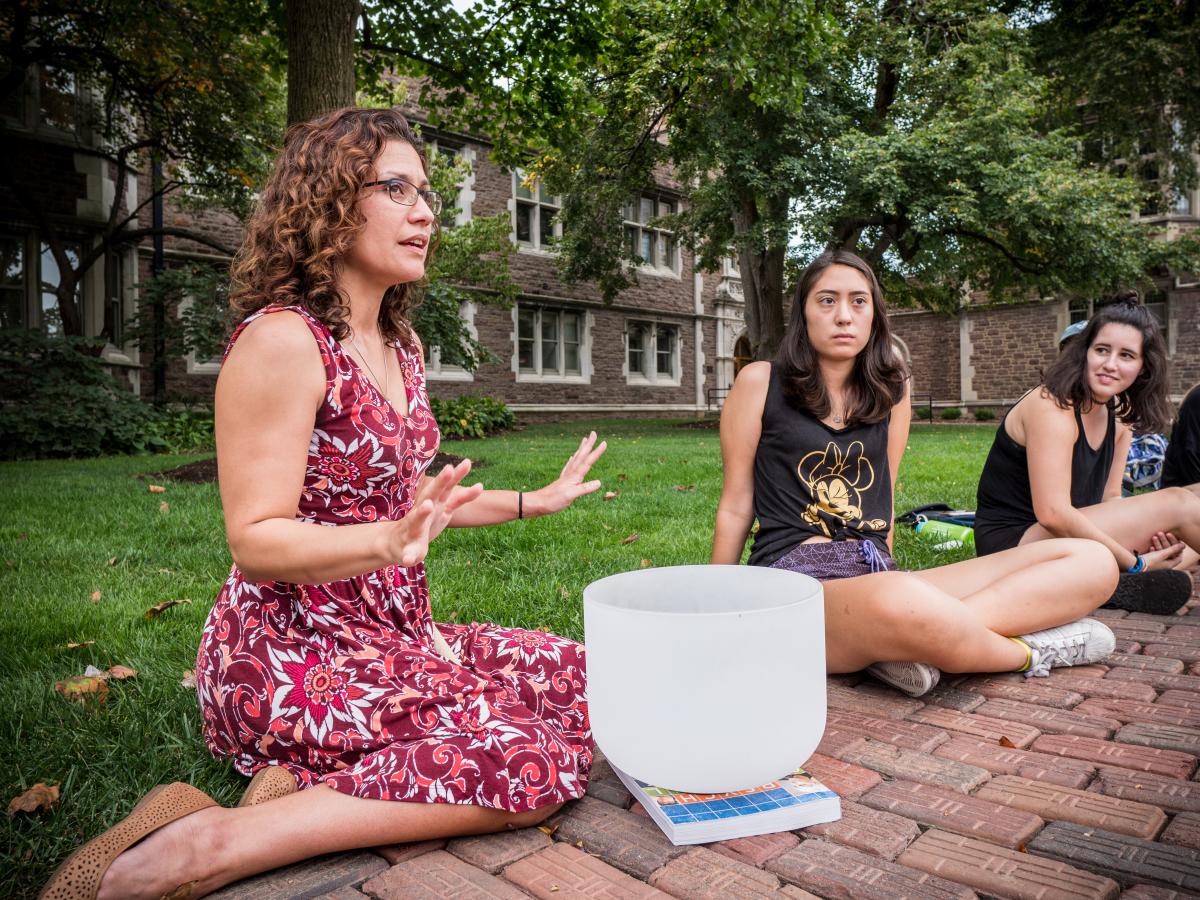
51 316
632 239
666 208
57 97
549 342
1159 311
546 233
670 252
571 328
544 195
521 189
665 351
646 210
635 355
526 325
571 359
12 282
524 224
649 243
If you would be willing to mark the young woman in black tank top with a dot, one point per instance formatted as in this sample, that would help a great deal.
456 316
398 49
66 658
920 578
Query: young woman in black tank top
811 445
1043 479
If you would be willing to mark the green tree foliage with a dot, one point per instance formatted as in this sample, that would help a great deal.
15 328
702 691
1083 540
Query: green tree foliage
194 83
1129 74
918 132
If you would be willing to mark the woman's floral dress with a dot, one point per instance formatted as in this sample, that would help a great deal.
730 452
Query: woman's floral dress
341 682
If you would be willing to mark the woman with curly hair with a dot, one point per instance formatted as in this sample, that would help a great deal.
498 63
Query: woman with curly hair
1056 464
320 671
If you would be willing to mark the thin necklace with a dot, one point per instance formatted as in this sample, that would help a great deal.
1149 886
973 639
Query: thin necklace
355 348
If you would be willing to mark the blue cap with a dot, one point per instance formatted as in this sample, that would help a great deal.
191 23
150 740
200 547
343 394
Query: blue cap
1071 330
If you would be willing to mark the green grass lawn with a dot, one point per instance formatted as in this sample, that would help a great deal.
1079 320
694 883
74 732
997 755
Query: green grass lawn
71 528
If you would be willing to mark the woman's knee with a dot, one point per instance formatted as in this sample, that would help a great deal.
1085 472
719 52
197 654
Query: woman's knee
909 611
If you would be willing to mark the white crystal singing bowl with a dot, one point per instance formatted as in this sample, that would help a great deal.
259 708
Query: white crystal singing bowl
706 678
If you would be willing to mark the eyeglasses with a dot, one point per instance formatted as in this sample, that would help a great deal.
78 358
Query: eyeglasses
406 193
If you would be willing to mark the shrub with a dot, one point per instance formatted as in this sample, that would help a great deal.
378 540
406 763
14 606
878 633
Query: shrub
984 414
471 417
187 430
57 399
950 413
922 413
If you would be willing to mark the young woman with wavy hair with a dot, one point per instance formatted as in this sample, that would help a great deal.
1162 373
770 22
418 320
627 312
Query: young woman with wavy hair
1056 464
811 445
320 671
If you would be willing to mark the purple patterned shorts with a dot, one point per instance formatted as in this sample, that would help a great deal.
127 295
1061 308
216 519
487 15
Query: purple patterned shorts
828 560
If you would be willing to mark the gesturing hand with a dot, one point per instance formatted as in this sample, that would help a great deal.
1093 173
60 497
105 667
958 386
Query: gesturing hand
569 486
435 503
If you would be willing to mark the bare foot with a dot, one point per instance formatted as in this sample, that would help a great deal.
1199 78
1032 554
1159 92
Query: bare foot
175 854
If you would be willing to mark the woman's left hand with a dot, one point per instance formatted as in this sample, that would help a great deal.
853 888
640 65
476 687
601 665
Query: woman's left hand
569 486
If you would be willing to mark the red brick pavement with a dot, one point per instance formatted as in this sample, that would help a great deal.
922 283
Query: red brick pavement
1084 784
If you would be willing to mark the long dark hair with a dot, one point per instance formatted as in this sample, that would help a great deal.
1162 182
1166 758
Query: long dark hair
308 216
1145 406
877 382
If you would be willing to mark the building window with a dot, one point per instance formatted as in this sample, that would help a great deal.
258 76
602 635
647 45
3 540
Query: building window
537 212
1079 311
550 342
652 246
12 281
57 103
652 353
1155 302
435 369
51 317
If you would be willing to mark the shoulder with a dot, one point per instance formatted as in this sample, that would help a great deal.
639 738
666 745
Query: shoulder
755 373
1040 412
281 341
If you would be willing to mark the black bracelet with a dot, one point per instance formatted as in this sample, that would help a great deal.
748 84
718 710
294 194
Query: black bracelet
520 505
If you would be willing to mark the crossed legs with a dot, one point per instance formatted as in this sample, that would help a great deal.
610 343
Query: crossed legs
959 617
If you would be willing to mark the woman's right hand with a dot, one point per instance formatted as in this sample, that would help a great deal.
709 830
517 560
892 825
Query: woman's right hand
409 538
1166 558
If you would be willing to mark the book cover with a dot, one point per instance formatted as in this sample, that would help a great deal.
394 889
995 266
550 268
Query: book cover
797 801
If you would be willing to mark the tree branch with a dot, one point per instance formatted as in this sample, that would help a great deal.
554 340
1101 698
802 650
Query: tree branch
1023 265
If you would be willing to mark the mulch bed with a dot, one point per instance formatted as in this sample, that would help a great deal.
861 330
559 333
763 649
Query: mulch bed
203 471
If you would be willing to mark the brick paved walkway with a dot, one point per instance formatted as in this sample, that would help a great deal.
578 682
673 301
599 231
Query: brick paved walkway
1083 784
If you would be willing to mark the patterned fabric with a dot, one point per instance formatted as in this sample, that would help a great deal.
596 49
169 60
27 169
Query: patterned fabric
830 560
1144 465
341 682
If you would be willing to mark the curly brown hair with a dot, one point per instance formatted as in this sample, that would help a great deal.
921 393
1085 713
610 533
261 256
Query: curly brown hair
308 216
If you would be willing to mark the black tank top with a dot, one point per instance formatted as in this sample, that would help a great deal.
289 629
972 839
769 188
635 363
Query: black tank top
1004 498
812 480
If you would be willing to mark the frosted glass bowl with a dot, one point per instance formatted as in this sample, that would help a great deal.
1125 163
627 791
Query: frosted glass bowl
706 678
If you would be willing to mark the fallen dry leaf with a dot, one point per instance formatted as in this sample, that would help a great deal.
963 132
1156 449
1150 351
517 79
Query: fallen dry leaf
548 829
611 495
93 672
157 489
120 673
73 645
112 561
189 680
1005 742
38 798
159 608
646 564
683 487
621 476
164 507
82 688
630 538
564 593
95 596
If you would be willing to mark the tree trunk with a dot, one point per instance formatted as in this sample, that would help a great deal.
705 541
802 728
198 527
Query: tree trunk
762 284
320 49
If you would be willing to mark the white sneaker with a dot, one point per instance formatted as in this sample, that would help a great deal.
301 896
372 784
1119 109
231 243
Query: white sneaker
914 678
1073 644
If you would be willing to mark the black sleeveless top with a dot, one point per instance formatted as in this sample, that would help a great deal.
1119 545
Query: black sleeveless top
1004 500
812 480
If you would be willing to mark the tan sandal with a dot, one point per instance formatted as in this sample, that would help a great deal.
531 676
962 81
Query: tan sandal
79 877
269 783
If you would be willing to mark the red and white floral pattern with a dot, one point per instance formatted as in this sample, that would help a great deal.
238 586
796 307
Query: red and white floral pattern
341 683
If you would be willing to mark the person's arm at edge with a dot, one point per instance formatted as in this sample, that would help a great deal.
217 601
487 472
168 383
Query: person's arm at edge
741 427
898 427
1116 475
